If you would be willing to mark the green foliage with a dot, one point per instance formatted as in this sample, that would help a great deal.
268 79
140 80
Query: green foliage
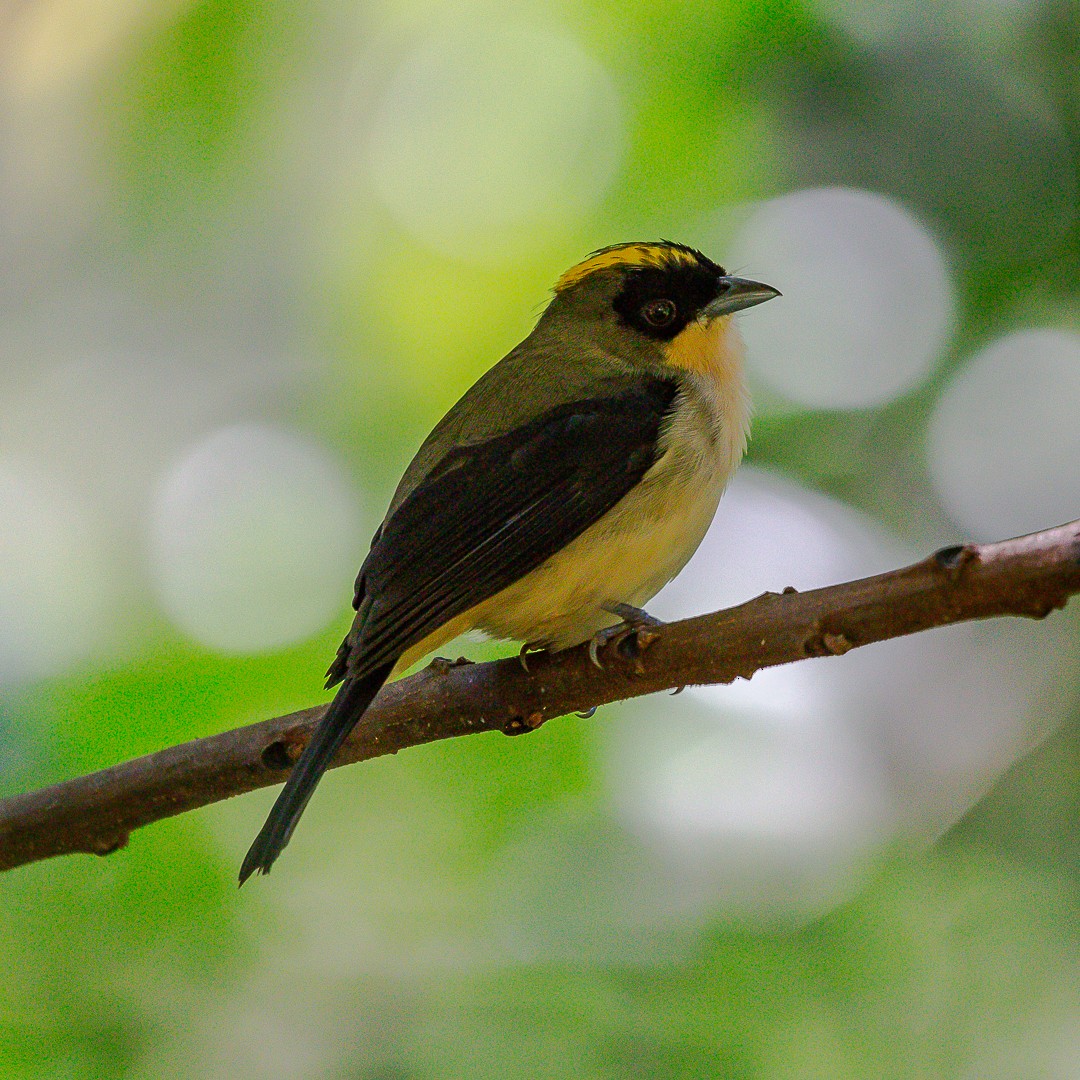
474 909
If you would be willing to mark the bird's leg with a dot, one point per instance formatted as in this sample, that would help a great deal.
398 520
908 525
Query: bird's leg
632 616
636 632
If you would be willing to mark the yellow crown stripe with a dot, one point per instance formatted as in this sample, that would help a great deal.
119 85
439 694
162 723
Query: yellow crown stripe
624 255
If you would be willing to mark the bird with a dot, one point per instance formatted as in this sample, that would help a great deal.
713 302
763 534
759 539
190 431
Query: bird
565 488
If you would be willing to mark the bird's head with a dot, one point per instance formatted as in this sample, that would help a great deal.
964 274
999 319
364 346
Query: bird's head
656 304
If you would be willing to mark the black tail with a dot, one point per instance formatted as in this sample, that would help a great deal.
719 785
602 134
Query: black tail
345 710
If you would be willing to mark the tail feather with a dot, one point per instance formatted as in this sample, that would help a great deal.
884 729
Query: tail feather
345 710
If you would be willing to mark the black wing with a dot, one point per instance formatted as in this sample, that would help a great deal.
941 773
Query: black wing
483 517
488 514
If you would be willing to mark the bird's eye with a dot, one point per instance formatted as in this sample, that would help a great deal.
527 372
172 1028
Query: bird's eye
659 312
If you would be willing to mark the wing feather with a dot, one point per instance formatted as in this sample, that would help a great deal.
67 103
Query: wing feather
490 513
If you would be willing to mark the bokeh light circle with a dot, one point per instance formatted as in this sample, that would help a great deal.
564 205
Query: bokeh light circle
486 133
867 300
760 794
255 535
1004 443
765 795
57 587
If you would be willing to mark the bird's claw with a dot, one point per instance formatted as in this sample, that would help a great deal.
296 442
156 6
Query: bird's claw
601 639
523 652
631 637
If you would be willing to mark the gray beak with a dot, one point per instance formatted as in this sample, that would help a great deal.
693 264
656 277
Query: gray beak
735 294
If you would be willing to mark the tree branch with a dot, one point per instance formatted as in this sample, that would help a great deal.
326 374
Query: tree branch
1029 576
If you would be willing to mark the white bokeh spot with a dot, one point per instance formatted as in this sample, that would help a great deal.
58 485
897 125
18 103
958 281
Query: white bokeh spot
1004 443
58 589
867 303
485 134
255 535
765 796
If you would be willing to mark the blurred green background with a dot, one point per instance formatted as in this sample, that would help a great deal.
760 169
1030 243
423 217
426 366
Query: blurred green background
252 251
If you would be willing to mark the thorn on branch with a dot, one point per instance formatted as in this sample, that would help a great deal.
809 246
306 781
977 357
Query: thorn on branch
106 845
1040 609
521 724
954 559
280 755
440 665
827 643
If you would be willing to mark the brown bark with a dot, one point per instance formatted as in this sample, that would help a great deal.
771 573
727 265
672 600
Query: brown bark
1029 576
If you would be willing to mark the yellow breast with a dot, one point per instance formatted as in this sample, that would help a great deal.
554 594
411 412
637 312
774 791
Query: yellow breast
649 536
641 544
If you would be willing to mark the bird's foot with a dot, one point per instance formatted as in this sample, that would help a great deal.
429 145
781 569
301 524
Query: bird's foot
631 637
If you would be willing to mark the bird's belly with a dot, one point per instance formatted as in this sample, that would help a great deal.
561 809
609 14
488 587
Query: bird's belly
626 557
